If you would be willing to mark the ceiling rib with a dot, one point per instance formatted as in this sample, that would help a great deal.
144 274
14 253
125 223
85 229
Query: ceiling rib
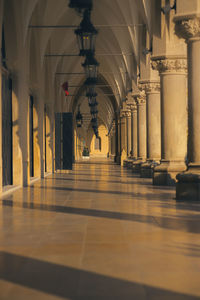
75 26
97 54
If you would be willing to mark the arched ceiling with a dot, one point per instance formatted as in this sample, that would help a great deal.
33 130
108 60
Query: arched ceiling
120 24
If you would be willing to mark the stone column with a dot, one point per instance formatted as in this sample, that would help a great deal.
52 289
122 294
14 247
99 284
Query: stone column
128 132
188 185
134 146
119 140
153 128
115 137
142 132
173 75
123 137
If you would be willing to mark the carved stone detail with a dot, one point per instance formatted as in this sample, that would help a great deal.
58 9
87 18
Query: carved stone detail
170 65
152 87
133 107
128 114
187 29
141 98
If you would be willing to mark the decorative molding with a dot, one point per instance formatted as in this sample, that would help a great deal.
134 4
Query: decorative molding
187 28
170 65
152 87
125 113
141 99
133 108
128 114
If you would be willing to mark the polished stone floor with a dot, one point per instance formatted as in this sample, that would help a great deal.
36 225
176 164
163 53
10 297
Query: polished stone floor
98 232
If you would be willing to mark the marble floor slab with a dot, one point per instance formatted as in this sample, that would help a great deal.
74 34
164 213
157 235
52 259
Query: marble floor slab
98 232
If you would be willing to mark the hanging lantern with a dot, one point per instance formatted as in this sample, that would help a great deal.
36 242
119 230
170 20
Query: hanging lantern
92 98
94 112
80 4
95 126
86 35
92 103
91 67
94 122
90 88
79 118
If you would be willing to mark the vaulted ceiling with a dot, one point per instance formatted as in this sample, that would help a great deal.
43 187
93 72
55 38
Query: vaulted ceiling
121 25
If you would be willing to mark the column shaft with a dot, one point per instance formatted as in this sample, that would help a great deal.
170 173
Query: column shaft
142 132
153 129
134 133
129 134
173 120
194 102
188 185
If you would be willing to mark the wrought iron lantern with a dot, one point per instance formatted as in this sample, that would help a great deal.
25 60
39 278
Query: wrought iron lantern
91 67
86 35
79 5
94 123
94 111
93 103
79 118
92 98
95 126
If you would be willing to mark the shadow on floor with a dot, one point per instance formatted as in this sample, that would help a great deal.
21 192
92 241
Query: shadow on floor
182 224
102 163
90 180
143 195
75 284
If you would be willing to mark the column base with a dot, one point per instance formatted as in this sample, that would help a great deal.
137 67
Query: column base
130 163
123 157
118 159
165 173
188 184
147 168
127 163
136 165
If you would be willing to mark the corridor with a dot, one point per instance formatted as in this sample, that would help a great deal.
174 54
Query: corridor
98 232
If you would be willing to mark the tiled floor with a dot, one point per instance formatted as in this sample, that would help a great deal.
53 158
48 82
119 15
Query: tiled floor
98 233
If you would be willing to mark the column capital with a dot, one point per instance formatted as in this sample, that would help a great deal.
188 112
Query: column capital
151 86
133 107
125 113
187 27
141 98
128 113
170 65
122 114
